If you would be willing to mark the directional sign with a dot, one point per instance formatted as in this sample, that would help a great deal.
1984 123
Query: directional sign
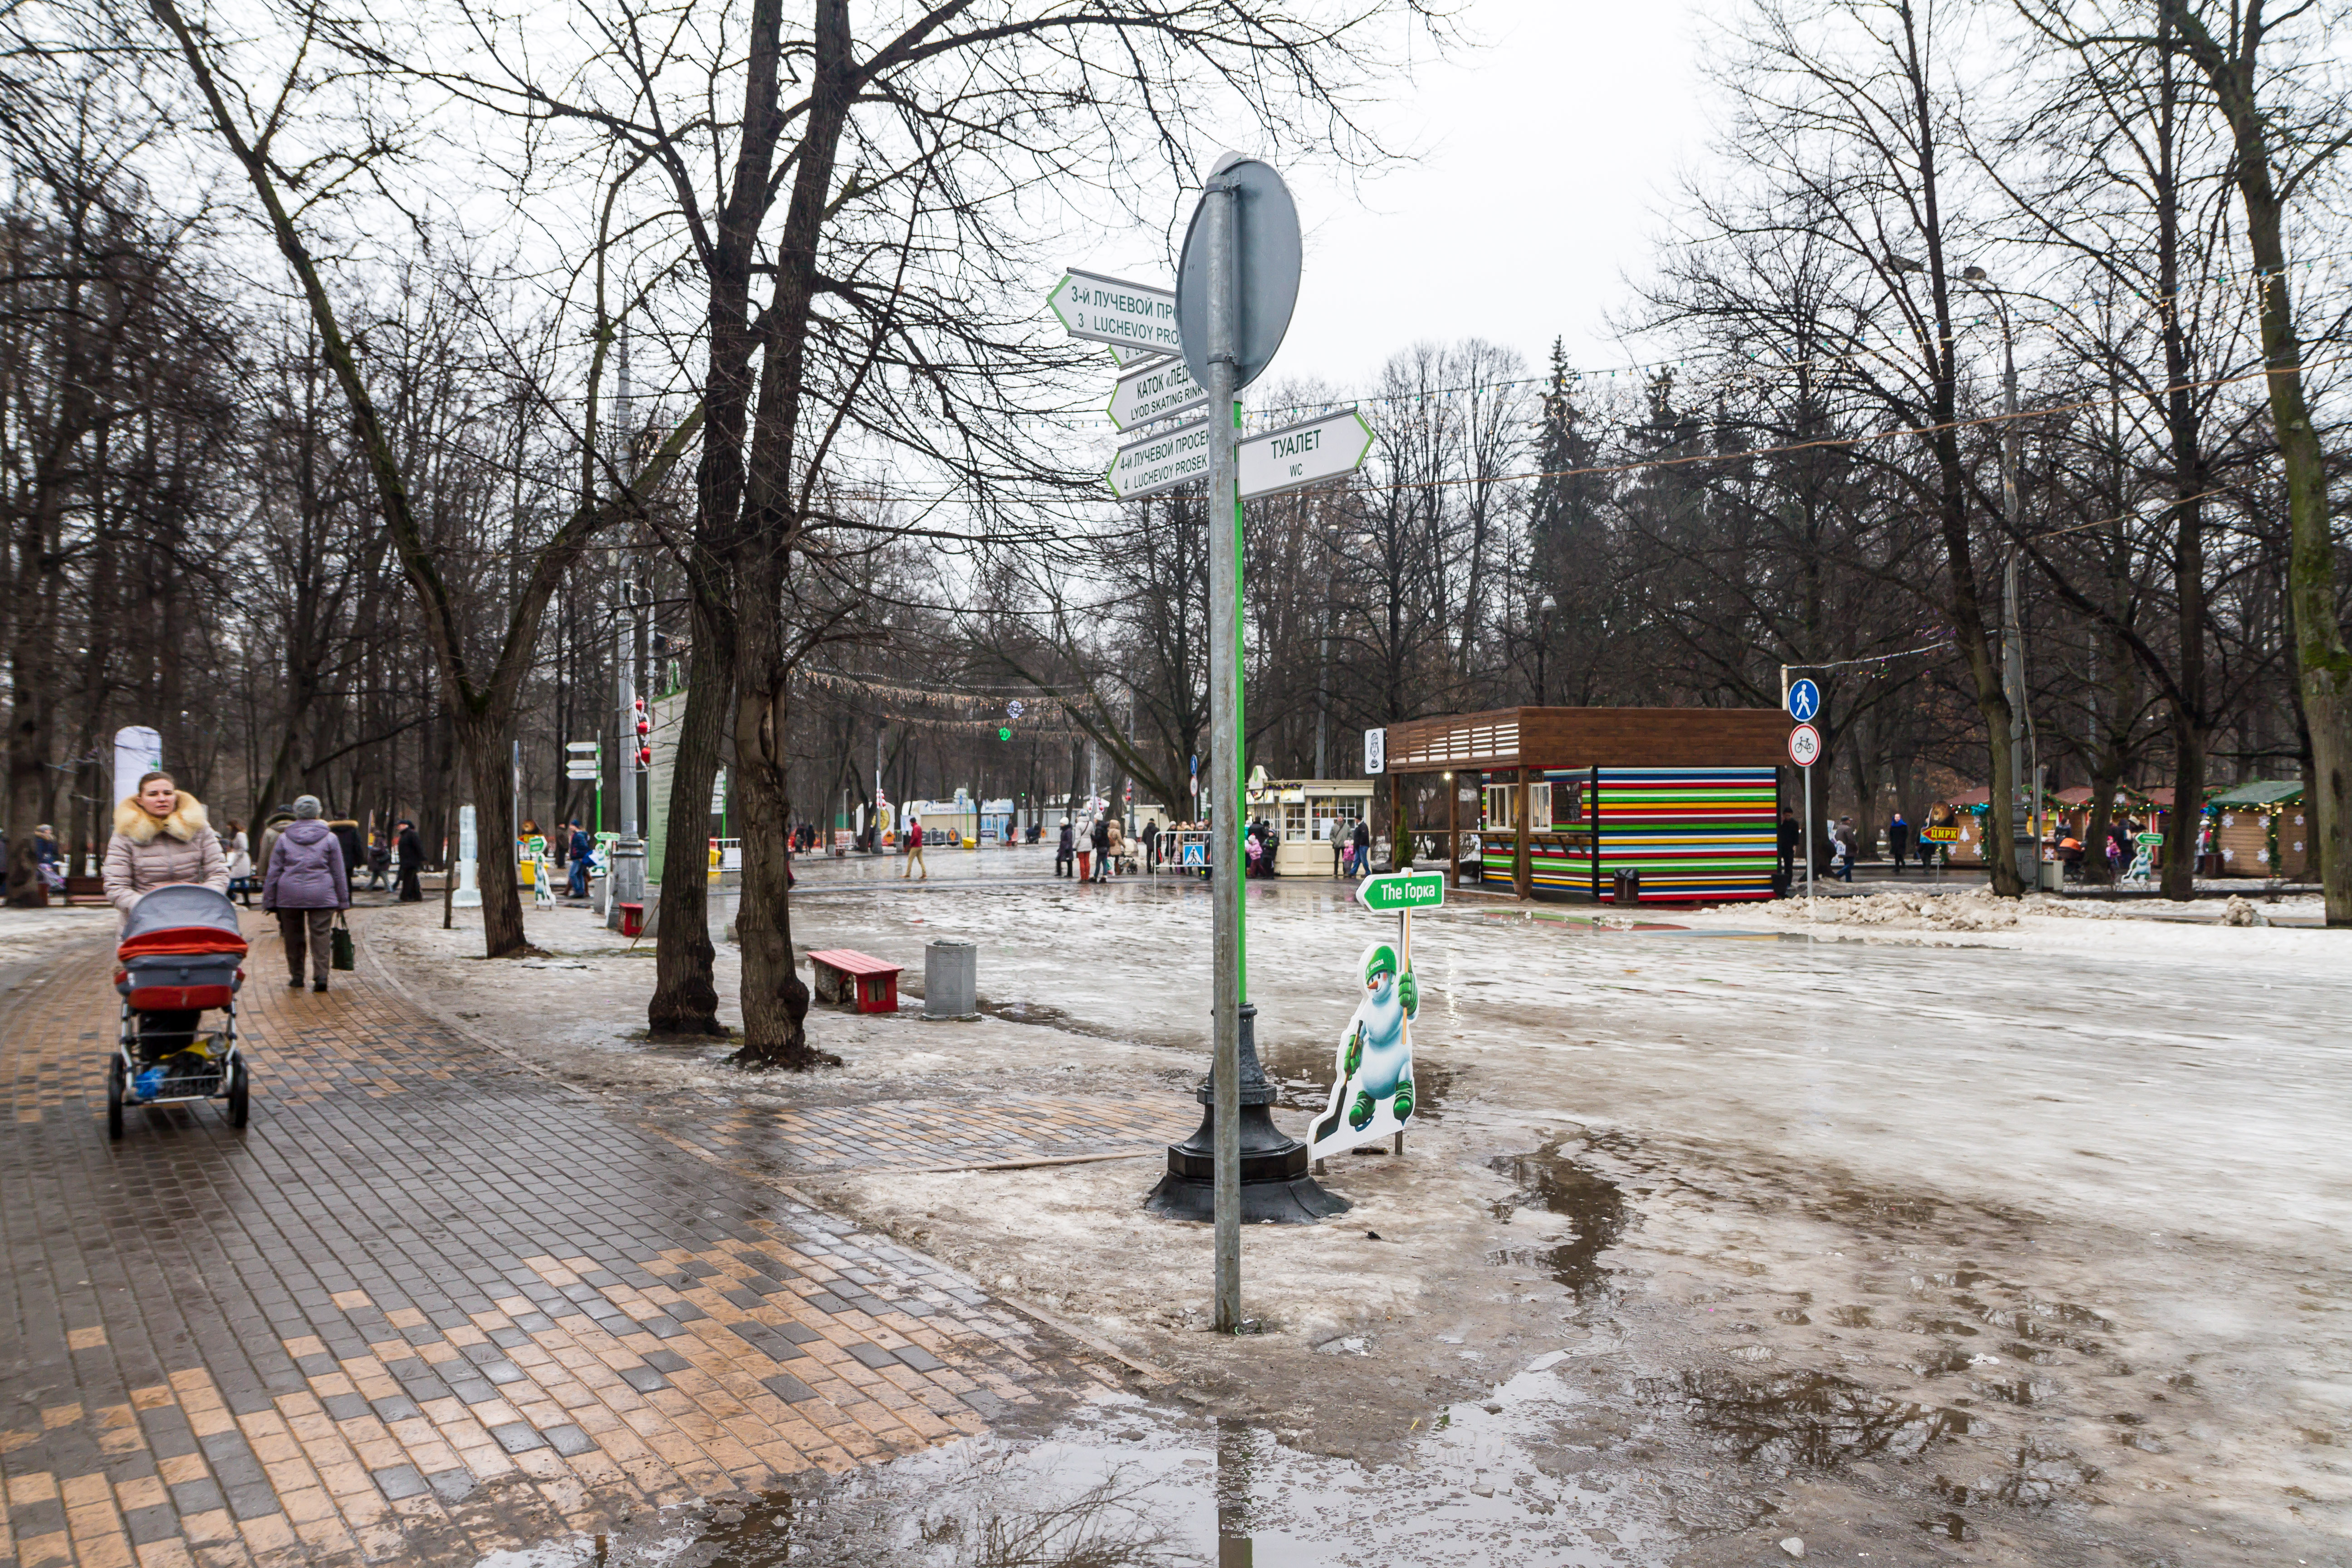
1392 890
1126 358
1804 745
583 771
1154 391
1161 462
1108 311
1804 701
718 792
1303 454
577 746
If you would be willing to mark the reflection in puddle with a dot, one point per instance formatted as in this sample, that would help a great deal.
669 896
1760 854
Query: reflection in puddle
1121 1483
1813 1419
1591 1203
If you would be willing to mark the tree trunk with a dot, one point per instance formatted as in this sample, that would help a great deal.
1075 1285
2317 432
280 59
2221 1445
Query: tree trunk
2323 663
482 752
686 995
776 1000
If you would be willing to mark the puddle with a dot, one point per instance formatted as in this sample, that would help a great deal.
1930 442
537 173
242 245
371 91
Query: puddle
1593 1203
1810 1419
1124 1484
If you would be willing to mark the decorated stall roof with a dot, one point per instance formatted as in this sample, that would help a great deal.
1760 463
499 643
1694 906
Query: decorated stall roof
2260 792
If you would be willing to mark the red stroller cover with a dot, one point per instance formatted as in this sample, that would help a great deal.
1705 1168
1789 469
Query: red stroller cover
185 918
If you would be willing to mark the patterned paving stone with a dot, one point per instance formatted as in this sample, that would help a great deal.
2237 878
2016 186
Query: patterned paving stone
428 1304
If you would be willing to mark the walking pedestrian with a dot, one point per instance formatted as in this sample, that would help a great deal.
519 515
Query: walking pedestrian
48 859
915 850
410 850
1152 845
280 818
1844 841
347 838
1066 853
1791 834
1361 841
378 856
306 884
1115 850
1100 840
582 849
241 879
161 840
1898 841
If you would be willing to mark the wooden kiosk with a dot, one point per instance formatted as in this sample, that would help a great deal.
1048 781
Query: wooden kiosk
1564 800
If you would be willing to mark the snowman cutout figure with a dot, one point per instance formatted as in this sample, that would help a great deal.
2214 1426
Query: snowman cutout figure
1372 1092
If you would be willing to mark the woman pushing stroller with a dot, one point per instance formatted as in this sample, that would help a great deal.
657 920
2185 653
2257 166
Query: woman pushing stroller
161 840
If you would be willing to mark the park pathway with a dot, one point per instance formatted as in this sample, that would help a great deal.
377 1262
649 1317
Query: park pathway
432 1303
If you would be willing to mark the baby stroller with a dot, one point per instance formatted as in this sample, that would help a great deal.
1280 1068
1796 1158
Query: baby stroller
179 954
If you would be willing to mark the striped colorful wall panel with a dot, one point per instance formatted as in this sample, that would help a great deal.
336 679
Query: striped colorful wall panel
1692 832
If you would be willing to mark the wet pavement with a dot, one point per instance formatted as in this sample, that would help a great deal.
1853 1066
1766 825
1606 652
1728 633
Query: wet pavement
429 1304
1903 1255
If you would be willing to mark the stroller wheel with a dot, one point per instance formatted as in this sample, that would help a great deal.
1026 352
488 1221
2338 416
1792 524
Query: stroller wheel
114 1098
238 1092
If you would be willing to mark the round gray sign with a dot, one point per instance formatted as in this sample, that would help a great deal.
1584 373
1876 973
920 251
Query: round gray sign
1265 254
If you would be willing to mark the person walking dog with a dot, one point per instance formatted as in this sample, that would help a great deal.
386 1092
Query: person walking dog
306 885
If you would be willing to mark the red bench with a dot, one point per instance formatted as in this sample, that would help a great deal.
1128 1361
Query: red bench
843 976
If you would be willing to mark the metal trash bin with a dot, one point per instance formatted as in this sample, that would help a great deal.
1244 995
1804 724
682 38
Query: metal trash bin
951 979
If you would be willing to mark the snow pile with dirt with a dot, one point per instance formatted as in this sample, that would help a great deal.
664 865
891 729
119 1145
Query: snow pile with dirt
1975 909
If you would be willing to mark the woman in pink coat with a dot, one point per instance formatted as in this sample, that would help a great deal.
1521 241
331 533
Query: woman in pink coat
162 838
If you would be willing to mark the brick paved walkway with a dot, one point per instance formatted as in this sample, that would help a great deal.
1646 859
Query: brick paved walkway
943 1135
430 1304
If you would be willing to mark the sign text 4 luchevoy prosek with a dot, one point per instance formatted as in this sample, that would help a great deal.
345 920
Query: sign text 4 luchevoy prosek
1161 462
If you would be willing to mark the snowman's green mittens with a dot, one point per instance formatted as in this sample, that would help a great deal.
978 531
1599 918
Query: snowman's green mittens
1355 1051
1409 993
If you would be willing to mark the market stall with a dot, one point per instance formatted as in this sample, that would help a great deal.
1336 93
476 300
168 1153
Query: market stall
1311 817
1581 802
2261 829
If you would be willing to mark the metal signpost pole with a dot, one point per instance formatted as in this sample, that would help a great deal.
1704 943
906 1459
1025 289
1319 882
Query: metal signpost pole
626 882
1225 753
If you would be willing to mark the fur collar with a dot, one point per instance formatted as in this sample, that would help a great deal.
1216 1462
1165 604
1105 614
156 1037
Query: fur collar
187 820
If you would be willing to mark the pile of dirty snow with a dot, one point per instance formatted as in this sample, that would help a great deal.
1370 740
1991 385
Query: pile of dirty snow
1974 909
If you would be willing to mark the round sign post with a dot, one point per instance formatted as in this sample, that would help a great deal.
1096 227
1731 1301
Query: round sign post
1805 749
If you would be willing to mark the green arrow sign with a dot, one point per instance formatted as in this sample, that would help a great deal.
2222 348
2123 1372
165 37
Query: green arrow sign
1110 310
1394 890
1305 453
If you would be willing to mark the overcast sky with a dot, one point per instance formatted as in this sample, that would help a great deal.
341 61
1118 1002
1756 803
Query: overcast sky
1547 155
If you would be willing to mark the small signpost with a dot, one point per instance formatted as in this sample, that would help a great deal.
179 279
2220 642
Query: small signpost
1805 749
1371 1078
1237 283
1159 390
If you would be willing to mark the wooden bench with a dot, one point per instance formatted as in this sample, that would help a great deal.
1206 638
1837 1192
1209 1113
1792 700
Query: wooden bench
844 975
85 889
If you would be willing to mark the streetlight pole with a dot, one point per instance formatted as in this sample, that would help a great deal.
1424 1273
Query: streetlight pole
2024 837
1543 645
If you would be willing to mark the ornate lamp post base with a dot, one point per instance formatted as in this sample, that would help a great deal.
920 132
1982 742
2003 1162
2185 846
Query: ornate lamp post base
1274 1179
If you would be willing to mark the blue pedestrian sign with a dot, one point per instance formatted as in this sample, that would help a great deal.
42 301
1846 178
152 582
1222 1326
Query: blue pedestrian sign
1804 701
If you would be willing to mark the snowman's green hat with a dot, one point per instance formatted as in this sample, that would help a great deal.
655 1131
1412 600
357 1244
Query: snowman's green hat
1383 961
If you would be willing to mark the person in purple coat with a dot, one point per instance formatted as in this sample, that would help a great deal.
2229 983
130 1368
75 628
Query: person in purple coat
307 882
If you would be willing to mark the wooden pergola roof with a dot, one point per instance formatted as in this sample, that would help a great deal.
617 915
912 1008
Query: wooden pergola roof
1562 738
